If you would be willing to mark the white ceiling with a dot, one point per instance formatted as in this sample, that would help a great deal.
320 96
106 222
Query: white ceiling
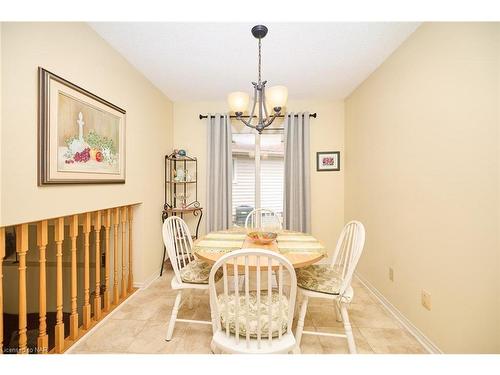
206 61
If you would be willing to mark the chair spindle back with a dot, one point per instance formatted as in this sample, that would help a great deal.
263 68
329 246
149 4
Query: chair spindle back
348 251
263 218
179 243
250 263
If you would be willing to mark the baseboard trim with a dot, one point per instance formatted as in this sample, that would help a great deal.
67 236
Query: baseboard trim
421 338
149 280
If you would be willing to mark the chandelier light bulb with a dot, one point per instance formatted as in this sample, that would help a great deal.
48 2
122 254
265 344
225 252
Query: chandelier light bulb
238 101
276 96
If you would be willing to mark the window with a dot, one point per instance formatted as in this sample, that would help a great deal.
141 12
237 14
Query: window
235 168
260 156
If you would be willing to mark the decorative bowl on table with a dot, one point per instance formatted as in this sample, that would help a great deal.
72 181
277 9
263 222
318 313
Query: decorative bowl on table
262 238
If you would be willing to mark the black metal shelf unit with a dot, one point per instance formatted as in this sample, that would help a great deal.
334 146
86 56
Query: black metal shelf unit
180 184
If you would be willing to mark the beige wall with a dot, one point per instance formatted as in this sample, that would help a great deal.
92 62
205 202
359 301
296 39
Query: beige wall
327 134
423 176
75 52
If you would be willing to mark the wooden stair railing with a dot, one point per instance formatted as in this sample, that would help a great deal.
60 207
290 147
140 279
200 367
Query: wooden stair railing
42 241
86 270
22 249
124 253
111 222
107 292
59 331
97 297
73 318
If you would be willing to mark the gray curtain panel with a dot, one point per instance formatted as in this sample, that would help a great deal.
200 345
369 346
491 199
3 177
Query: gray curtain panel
219 173
297 189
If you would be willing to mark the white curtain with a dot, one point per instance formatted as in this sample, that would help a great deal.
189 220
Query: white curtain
297 189
219 173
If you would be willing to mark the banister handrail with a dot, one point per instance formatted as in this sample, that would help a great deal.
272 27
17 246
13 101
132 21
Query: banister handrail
68 214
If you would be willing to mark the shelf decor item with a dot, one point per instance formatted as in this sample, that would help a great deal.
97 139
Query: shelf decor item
179 175
81 137
182 197
328 161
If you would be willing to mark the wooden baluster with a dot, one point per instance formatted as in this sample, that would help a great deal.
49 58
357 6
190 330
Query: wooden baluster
116 218
42 240
124 252
2 254
97 297
107 294
86 274
22 249
73 318
59 328
130 276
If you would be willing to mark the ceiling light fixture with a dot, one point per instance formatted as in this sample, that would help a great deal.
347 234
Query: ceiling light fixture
275 97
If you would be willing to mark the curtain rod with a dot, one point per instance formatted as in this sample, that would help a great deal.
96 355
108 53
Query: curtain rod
232 116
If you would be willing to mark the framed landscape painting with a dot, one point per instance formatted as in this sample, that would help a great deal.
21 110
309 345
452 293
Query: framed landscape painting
81 136
328 161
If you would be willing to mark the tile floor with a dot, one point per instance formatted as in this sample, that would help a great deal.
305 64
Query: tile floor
140 325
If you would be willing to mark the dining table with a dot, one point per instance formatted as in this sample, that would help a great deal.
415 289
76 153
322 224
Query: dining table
301 249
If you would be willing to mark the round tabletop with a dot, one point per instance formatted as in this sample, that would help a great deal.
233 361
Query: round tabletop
300 249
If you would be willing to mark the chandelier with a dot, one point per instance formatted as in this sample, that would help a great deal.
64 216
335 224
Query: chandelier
273 98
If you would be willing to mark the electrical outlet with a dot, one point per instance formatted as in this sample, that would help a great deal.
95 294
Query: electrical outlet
391 274
426 300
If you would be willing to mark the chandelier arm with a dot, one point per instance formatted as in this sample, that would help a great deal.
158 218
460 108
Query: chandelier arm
261 118
271 119
264 101
254 103
247 123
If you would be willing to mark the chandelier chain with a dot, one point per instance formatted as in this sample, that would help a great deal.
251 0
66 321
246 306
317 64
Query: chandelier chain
259 59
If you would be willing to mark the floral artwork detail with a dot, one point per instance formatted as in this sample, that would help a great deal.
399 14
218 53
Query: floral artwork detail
328 161
89 138
92 147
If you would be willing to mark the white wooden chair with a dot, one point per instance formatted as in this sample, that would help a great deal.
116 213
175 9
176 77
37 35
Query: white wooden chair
189 272
257 320
333 281
263 218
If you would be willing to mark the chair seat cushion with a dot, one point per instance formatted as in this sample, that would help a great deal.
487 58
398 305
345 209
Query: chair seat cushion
197 272
321 278
279 315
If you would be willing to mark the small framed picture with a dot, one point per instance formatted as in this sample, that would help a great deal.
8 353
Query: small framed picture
328 161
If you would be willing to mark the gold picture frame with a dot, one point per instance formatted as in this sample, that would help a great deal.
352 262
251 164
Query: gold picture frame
81 137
